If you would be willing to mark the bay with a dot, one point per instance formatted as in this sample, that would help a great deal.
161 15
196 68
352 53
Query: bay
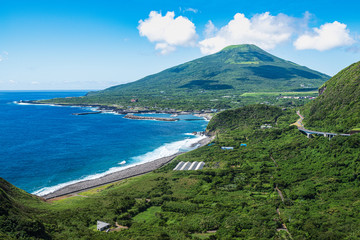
43 148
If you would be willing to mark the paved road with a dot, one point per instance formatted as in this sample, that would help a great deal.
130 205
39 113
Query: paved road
307 131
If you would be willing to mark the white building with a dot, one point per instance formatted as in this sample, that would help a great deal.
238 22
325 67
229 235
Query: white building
101 226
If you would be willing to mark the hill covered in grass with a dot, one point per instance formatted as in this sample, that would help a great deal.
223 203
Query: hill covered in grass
18 214
338 106
213 81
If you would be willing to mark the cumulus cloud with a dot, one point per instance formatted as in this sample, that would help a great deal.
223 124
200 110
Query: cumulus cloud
167 31
264 30
328 36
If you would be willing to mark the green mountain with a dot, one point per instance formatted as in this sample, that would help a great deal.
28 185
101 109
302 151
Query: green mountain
244 68
231 72
338 106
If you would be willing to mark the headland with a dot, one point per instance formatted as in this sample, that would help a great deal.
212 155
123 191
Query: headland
113 109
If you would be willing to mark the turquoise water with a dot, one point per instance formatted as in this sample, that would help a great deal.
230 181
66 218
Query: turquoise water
45 147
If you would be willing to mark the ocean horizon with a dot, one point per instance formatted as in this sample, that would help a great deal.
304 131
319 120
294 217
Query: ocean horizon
44 148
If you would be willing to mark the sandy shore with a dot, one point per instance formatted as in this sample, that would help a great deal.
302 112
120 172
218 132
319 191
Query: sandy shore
117 176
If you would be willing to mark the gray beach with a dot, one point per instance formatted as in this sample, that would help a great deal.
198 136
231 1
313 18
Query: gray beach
117 176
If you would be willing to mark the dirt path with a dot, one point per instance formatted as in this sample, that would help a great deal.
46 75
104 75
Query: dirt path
277 166
299 123
283 228
118 227
280 193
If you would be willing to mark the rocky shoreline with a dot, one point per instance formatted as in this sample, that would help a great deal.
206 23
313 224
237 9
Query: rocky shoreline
117 176
130 116
103 109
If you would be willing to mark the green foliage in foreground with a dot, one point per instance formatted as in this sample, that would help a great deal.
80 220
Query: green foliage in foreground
338 108
233 197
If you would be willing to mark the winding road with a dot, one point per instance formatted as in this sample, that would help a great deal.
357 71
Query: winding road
308 132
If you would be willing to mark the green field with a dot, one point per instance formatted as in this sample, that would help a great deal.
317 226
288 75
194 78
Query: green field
257 94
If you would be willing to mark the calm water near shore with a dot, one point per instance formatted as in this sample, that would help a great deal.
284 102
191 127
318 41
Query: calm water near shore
45 147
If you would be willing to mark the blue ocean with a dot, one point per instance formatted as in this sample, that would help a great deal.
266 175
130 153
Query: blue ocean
43 148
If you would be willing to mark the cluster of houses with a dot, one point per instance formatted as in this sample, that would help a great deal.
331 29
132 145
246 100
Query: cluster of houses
295 97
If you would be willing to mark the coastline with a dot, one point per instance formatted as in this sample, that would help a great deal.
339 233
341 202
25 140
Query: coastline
119 175
111 109
134 117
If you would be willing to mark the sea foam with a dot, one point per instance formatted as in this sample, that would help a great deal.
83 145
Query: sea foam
165 150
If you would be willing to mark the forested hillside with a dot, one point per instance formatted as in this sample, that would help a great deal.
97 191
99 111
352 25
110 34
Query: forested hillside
18 214
338 107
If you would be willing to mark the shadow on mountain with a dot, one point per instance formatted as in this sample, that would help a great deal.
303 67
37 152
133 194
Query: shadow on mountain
274 72
206 85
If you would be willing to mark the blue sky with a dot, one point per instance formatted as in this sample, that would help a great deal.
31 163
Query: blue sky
97 44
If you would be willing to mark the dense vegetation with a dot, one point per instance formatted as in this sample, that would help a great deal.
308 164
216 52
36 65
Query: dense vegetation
17 214
338 107
236 196
216 81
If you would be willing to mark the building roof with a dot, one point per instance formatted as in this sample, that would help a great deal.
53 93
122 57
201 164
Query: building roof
101 224
183 166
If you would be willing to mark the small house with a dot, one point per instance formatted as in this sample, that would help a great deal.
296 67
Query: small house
101 226
134 100
265 126
227 148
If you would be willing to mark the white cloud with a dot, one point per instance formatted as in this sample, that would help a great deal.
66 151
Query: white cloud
191 10
328 36
210 29
35 83
264 30
12 81
167 31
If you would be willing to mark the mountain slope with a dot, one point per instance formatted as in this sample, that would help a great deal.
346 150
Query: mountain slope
245 68
17 219
338 106
233 71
